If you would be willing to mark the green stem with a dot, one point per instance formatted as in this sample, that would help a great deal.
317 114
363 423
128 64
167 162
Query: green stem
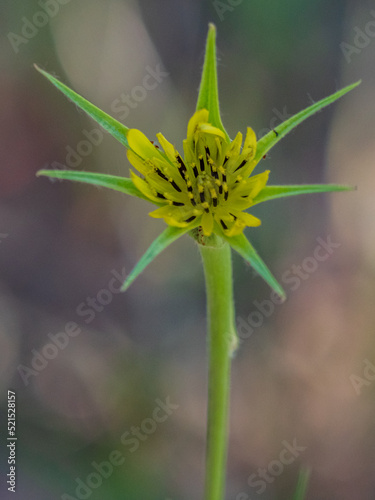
222 342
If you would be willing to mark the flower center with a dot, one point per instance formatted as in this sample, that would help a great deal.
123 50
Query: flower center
210 182
207 191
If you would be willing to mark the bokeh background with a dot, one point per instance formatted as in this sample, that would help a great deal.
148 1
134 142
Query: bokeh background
301 375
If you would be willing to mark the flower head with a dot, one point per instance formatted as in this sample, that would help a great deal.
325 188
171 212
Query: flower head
210 186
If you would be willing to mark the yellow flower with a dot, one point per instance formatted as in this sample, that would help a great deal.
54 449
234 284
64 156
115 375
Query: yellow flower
210 187
207 190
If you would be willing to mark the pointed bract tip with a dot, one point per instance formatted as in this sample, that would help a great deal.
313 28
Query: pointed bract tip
340 187
211 27
353 85
41 71
125 286
43 172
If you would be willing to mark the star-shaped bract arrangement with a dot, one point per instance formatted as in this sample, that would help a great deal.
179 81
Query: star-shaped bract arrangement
208 189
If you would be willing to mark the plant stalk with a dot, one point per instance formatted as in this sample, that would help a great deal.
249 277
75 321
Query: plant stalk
222 341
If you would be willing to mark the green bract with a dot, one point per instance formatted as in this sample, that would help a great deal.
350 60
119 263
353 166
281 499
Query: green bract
210 188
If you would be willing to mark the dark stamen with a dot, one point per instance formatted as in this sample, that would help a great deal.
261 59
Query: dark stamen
190 219
220 189
206 210
223 224
201 163
214 201
195 170
225 160
214 173
201 195
241 165
159 195
193 202
226 195
175 186
160 174
182 167
178 204
180 161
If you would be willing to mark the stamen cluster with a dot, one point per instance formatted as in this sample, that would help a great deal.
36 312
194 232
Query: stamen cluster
211 187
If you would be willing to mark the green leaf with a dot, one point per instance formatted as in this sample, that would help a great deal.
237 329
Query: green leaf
273 192
269 140
208 97
303 482
157 246
114 127
243 246
122 184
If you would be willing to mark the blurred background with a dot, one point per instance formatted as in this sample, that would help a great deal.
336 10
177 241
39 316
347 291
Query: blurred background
90 367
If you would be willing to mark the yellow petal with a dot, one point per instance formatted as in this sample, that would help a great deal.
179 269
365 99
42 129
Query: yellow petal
235 220
250 144
170 214
143 187
188 152
206 128
236 229
241 203
235 145
168 147
198 117
143 167
168 169
261 181
252 186
248 219
141 145
207 223
161 212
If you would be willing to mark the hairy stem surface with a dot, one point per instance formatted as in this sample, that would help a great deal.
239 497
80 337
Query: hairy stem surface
222 341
